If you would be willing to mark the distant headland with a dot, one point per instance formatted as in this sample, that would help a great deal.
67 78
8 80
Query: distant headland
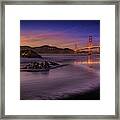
36 52
27 51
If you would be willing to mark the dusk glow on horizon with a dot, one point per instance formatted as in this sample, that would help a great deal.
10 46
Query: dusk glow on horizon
59 59
59 33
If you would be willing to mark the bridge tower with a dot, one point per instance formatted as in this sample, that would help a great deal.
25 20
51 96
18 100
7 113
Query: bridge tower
90 44
76 48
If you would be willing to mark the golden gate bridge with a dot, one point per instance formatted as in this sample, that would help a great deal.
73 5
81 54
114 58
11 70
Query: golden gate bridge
90 49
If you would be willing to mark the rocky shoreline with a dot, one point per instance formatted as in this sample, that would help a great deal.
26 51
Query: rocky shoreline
41 66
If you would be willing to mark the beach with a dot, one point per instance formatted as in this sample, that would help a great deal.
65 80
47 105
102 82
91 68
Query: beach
78 80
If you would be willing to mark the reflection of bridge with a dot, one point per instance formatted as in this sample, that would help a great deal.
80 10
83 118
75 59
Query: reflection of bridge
90 48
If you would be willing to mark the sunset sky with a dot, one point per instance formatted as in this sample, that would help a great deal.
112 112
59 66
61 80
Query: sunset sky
59 33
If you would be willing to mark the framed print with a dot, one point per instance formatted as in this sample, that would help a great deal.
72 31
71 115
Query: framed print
59 59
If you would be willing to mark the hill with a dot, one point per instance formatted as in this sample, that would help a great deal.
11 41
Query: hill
53 50
27 51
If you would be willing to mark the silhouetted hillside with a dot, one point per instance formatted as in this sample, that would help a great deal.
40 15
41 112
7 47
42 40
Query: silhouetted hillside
53 50
28 52
48 50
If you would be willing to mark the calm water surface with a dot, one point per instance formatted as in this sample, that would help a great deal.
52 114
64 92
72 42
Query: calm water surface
81 75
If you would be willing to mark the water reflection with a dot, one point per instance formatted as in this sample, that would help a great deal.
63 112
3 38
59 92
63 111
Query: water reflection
89 61
44 73
81 75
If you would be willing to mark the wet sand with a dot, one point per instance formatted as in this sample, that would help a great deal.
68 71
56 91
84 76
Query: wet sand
90 95
75 81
